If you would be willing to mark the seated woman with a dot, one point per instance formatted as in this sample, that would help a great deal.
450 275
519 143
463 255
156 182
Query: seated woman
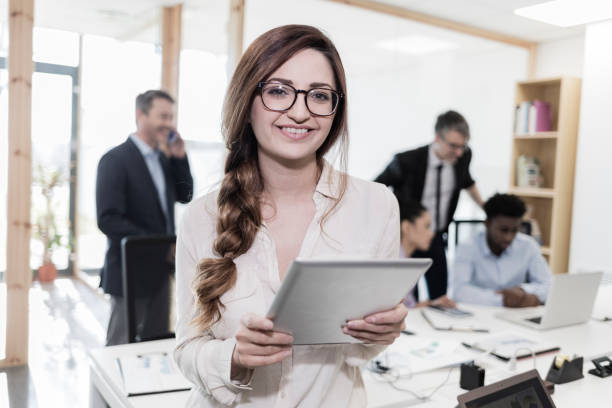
416 234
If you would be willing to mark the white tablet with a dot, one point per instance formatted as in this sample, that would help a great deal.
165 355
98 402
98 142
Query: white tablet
317 297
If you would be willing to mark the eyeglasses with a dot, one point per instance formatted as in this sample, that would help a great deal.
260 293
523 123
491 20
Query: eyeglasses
281 97
455 146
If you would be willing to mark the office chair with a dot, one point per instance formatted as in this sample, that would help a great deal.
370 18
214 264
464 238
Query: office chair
148 286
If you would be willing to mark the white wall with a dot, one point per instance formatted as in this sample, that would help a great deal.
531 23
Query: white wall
591 243
560 58
395 109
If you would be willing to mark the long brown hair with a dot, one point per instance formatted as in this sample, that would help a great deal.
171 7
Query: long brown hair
239 214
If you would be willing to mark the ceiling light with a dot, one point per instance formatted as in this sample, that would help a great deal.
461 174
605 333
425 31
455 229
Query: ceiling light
567 13
415 44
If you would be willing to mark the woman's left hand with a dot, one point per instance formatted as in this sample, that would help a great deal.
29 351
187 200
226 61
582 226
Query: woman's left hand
378 328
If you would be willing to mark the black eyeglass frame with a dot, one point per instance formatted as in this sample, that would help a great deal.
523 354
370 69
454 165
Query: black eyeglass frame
260 86
455 146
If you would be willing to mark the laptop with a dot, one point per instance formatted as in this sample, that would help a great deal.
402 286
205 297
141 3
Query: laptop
522 390
570 301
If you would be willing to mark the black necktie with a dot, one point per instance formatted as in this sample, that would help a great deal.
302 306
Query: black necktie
438 186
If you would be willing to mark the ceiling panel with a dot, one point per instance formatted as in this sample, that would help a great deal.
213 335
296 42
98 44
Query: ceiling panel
494 15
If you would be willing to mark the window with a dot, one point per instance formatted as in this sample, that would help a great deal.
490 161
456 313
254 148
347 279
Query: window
113 74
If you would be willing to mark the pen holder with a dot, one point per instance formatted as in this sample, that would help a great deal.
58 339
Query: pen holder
569 371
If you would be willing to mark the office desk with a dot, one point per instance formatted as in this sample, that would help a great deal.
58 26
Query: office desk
592 339
106 378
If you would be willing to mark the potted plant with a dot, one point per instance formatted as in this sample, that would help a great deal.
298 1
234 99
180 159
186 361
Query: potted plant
45 226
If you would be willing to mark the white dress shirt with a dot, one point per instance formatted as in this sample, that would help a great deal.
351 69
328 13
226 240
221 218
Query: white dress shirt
365 223
447 186
479 273
151 158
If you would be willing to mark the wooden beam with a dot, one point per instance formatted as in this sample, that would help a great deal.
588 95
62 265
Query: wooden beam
171 48
438 22
18 272
533 59
235 35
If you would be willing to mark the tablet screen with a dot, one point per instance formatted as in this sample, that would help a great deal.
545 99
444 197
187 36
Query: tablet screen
526 394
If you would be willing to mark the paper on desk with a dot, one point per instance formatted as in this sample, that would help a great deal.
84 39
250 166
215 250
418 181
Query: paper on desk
508 343
151 373
414 354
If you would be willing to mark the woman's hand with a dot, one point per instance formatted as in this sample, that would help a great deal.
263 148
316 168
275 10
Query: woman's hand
258 345
378 328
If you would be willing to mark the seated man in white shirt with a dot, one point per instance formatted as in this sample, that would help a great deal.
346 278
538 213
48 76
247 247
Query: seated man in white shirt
501 266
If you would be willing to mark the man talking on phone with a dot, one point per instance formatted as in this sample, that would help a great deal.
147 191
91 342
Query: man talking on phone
138 183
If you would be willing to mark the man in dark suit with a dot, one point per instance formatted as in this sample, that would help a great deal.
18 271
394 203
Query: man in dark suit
137 184
434 175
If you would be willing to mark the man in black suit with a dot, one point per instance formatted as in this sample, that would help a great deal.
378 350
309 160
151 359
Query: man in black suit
137 184
434 175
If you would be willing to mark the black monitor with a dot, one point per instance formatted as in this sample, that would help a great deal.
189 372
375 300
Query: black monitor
524 390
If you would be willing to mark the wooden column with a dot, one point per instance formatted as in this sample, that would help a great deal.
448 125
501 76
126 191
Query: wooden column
235 35
171 48
18 272
532 61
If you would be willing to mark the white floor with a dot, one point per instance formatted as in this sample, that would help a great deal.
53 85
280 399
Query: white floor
66 319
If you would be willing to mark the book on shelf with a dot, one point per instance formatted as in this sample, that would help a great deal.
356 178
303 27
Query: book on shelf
531 117
521 120
542 122
151 373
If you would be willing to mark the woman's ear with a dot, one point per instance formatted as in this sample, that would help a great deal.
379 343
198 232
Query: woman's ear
405 228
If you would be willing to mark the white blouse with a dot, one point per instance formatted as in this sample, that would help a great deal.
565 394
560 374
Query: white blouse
365 224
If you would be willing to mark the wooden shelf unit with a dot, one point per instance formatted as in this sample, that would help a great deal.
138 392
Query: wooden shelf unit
537 135
556 152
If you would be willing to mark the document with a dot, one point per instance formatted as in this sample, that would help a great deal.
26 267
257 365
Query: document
505 344
415 354
151 373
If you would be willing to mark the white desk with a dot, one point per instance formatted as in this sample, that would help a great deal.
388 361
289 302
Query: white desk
106 378
592 339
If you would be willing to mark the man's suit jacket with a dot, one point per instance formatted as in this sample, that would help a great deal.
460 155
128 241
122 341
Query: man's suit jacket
128 204
406 174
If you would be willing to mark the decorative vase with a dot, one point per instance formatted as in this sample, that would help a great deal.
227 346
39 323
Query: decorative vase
47 272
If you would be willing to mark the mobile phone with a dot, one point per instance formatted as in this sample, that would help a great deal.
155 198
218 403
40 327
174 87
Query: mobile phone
451 311
171 136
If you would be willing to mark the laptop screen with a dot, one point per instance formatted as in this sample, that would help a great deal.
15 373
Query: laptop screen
526 394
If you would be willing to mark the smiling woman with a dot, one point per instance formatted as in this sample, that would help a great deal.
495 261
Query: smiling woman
285 109
284 125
